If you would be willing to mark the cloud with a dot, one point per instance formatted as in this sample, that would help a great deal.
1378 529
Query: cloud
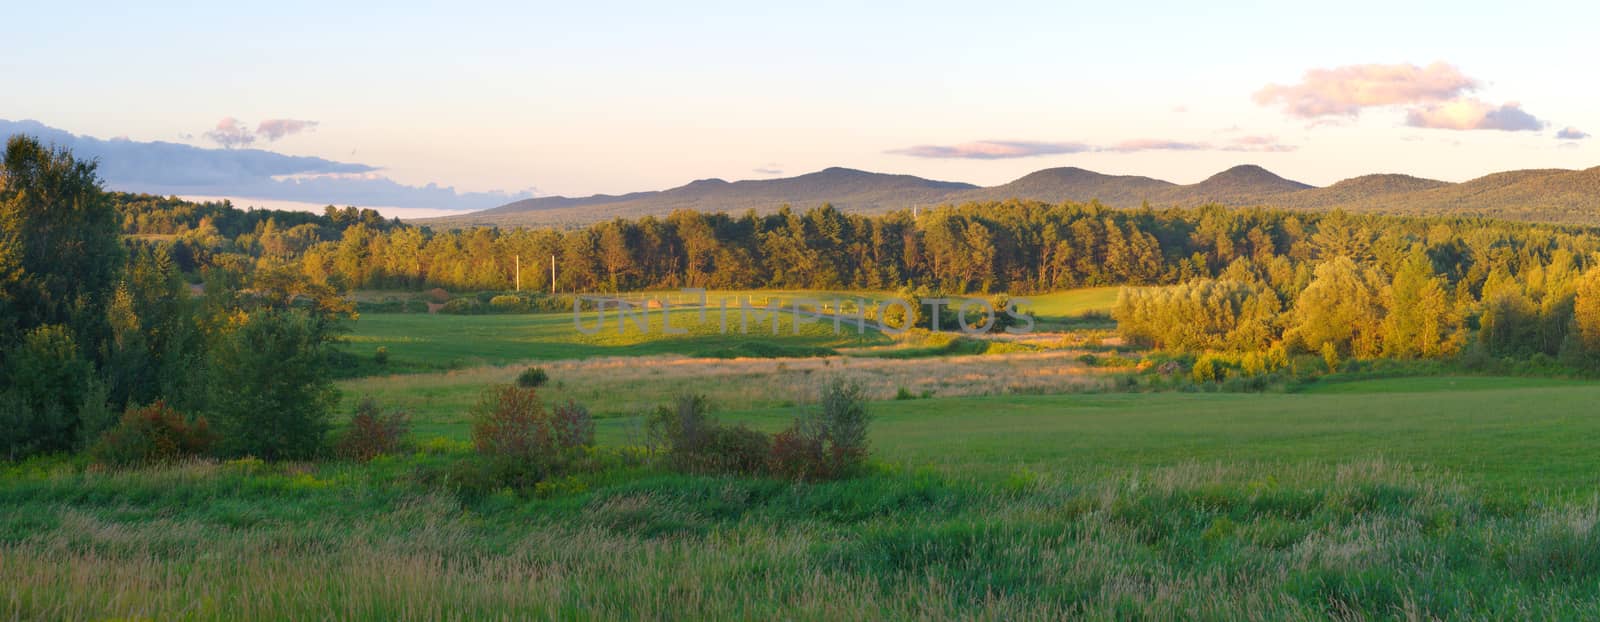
273 129
230 133
1154 144
1263 143
772 168
1473 114
1345 91
993 150
1434 97
176 169
1571 133
1001 149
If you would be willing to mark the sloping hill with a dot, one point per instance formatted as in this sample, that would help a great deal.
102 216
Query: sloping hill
1246 184
1543 195
1055 185
847 189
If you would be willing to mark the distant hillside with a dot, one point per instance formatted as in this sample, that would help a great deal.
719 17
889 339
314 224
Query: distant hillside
1055 185
848 189
1544 195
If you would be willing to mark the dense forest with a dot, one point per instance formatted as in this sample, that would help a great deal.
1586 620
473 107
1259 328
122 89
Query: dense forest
93 324
1242 279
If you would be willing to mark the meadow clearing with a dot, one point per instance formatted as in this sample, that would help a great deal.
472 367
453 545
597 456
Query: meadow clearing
1011 478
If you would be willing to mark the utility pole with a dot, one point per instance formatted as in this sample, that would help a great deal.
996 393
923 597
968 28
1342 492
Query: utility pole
552 275
519 273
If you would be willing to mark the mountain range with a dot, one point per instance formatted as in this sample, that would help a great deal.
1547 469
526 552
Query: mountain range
1542 195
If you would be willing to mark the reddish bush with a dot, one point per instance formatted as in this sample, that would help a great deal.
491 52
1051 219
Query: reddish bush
829 442
798 455
510 422
695 442
373 432
153 434
438 296
572 426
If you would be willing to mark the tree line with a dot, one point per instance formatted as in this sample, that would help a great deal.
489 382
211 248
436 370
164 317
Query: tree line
92 328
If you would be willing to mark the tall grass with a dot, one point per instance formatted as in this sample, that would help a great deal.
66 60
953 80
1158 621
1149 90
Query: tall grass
1196 541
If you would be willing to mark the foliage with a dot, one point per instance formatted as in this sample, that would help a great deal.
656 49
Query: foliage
153 434
1198 315
518 437
373 432
461 306
39 412
271 394
830 441
692 441
532 377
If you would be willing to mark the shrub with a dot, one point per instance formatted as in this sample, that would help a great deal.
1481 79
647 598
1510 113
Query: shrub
828 443
532 377
694 442
522 441
843 421
572 426
438 295
510 422
460 306
798 454
508 304
381 356
373 432
272 394
150 435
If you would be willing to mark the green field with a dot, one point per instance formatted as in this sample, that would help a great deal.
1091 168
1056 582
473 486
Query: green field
418 342
1387 503
1455 497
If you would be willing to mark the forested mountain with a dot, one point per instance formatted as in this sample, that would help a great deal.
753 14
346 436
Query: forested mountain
848 189
1546 195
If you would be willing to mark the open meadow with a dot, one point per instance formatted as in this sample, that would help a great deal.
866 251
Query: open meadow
1004 484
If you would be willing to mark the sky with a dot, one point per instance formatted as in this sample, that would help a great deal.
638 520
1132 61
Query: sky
493 101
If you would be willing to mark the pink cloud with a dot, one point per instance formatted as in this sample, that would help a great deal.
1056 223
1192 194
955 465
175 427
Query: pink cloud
993 150
230 133
1571 133
273 129
1473 114
1345 91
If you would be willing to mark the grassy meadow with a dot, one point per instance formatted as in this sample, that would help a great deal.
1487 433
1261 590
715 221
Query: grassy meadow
1012 483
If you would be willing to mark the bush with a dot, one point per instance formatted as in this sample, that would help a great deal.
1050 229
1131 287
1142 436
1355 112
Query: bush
694 442
150 435
381 356
798 454
461 306
508 304
438 296
39 409
272 393
532 377
572 426
828 443
512 430
373 432
844 419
